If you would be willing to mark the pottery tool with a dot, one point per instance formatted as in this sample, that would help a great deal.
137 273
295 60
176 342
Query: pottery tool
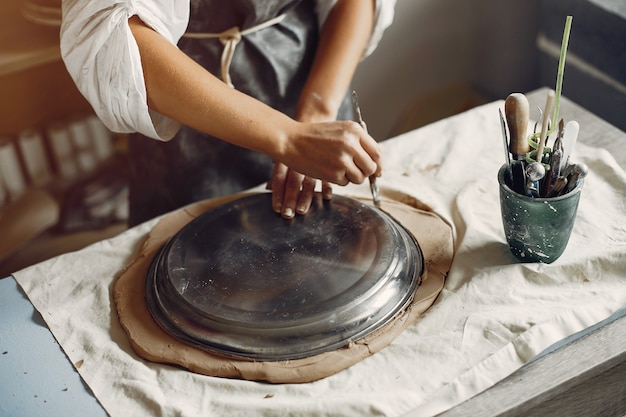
544 124
505 141
372 178
570 135
516 108
518 177
535 171
576 173
559 186
516 111
558 143
554 172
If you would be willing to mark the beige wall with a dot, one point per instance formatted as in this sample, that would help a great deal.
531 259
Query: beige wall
434 44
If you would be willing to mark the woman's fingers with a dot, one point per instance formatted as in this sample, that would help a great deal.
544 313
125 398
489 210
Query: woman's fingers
357 152
365 159
292 192
277 185
305 196
335 152
371 147
327 190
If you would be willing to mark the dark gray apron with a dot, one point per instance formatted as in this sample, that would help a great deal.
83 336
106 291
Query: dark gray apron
271 64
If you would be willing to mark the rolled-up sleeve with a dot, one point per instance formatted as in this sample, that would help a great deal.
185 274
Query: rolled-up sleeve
102 57
383 17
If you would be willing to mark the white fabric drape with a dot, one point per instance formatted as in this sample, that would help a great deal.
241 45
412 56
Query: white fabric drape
492 316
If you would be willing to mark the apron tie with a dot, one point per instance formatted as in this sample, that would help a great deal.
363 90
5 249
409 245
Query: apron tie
230 38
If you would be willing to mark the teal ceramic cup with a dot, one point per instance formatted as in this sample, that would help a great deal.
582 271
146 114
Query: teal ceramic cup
537 229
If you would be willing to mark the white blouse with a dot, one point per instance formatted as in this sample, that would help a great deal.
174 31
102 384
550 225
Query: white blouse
102 57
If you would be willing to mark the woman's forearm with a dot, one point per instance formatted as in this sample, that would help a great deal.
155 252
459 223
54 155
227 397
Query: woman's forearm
342 43
341 47
180 88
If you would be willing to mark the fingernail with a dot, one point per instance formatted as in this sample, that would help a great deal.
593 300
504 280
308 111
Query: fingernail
288 212
301 209
278 207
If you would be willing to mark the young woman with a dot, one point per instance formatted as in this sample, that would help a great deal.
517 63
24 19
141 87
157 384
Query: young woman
235 92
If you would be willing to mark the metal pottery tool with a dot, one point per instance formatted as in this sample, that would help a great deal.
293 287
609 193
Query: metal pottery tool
558 143
535 171
505 140
372 178
544 124
559 186
554 172
576 172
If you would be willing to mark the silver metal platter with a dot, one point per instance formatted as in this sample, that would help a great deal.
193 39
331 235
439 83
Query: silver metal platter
239 280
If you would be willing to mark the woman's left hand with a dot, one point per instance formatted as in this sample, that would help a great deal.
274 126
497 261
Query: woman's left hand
292 192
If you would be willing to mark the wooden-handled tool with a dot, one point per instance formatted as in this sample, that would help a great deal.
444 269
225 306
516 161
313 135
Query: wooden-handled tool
516 109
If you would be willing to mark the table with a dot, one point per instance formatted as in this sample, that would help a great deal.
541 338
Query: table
595 354
36 378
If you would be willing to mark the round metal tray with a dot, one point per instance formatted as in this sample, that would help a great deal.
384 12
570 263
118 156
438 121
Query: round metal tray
240 280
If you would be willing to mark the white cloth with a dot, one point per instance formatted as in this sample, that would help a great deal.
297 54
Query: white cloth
493 315
102 57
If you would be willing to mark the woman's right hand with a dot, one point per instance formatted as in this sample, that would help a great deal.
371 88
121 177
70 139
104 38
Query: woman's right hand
340 152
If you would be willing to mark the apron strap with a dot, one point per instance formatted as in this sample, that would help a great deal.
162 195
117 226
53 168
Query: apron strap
230 38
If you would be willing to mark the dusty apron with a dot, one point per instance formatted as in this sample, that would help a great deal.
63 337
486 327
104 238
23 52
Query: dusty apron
270 63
